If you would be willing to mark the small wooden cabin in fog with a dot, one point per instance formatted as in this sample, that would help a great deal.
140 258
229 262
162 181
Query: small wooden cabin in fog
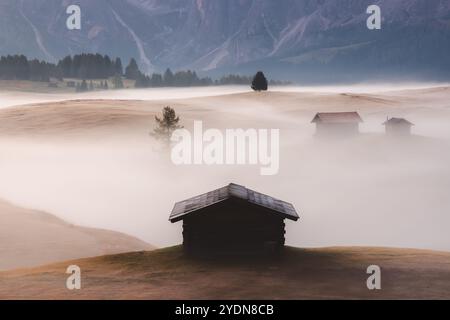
398 127
337 123
233 219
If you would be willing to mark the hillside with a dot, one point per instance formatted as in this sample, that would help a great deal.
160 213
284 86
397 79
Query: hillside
31 238
328 273
91 161
97 161
133 110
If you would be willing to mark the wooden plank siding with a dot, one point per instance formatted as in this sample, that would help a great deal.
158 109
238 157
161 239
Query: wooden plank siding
241 222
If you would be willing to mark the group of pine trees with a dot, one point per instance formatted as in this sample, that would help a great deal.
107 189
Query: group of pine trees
89 66
190 79
183 79
82 66
18 67
169 79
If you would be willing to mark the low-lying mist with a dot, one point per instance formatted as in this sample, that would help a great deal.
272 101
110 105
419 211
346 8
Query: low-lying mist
366 190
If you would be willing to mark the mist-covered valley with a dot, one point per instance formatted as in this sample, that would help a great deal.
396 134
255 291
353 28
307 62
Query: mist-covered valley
89 159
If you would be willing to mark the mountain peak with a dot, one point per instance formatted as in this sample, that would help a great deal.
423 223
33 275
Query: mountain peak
238 35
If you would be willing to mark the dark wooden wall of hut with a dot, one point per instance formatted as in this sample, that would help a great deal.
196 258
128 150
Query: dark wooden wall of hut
398 129
328 129
233 226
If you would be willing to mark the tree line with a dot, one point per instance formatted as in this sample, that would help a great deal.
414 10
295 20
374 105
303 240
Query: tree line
18 67
185 78
81 66
88 66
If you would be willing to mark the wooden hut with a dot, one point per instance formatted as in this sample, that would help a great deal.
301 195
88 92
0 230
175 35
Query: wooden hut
337 123
233 219
398 127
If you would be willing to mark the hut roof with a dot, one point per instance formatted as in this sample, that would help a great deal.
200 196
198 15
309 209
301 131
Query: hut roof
400 121
337 117
191 205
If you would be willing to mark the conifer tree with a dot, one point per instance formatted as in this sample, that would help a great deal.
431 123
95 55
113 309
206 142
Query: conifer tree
259 82
167 124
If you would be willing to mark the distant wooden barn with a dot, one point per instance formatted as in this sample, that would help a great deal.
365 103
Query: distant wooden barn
233 219
337 123
398 127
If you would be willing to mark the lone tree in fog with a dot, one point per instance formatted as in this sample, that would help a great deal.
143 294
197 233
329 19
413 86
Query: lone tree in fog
167 124
259 82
